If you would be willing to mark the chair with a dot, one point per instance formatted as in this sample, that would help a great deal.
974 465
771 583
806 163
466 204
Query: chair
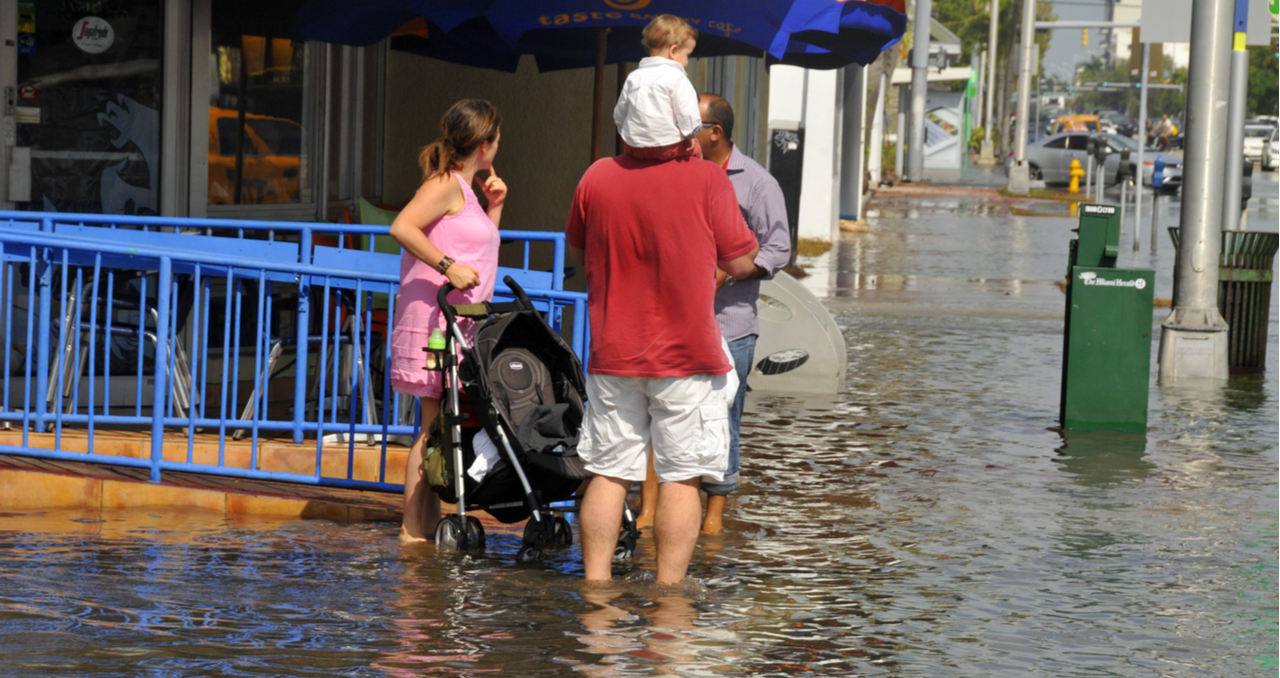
372 215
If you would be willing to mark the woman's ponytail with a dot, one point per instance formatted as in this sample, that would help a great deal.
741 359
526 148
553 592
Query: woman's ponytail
464 127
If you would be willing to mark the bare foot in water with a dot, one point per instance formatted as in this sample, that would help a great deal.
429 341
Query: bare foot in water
644 521
406 538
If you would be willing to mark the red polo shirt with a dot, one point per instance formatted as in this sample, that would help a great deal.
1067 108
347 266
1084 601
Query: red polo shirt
653 232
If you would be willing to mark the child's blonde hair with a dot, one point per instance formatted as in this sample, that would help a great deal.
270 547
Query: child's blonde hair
666 30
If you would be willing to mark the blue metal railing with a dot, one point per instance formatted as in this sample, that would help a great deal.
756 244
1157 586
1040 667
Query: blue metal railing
88 310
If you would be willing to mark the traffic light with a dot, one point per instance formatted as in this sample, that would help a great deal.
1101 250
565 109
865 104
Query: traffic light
1084 37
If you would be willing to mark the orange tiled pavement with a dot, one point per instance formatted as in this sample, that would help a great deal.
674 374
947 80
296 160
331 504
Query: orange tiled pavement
28 482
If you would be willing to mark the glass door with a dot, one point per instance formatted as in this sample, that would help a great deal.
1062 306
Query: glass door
88 102
264 92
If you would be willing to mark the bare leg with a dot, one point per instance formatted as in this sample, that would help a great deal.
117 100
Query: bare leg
421 505
600 520
675 528
648 497
712 522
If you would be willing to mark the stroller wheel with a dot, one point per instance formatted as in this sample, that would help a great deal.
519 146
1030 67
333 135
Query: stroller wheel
621 553
539 534
475 533
528 554
447 532
563 532
626 545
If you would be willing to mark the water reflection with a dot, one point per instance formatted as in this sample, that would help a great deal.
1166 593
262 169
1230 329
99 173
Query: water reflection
1104 457
651 632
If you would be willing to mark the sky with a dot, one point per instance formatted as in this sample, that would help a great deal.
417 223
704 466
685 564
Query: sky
1064 49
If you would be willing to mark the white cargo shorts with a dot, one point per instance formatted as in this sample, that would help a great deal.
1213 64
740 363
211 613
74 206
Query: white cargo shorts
684 419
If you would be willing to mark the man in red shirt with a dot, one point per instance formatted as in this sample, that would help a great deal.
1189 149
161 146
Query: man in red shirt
651 235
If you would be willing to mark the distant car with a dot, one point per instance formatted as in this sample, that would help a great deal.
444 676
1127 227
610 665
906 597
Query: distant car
1107 127
1125 126
1050 160
1271 152
1255 136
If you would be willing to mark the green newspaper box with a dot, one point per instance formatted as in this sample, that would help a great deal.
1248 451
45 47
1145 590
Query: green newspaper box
1106 358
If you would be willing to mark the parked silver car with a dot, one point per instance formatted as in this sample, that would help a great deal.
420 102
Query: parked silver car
1255 136
1050 160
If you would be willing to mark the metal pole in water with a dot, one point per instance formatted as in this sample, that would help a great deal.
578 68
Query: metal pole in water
1124 199
1155 219
1137 211
1142 140
919 86
1235 118
1088 176
1193 341
898 160
1019 173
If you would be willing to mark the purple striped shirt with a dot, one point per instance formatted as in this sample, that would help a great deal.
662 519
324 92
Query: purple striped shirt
760 200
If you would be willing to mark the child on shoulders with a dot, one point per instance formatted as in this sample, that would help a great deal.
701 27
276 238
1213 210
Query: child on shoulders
657 113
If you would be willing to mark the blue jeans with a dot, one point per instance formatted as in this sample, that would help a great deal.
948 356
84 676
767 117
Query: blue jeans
743 351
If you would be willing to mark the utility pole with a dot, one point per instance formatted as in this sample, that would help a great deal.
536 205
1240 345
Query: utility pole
919 86
988 153
1235 118
980 119
1019 175
1193 340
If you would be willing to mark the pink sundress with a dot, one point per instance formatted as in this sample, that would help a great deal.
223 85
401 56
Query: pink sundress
472 240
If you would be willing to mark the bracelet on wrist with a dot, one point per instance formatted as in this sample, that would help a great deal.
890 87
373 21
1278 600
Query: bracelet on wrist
444 264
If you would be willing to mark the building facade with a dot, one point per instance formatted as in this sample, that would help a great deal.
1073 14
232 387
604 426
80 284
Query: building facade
208 108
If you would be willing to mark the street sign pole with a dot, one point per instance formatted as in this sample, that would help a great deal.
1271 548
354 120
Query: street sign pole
1019 175
1193 341
1235 118
919 87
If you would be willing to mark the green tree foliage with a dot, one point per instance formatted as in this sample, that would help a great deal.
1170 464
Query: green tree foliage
1263 96
1171 101
971 20
1264 74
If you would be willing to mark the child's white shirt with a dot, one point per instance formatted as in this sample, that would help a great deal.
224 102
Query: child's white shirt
658 105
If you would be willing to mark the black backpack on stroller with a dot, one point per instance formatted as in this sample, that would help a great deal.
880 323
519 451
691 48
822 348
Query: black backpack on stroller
521 386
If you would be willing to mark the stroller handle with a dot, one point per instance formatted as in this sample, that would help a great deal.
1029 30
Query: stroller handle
519 292
450 314
442 302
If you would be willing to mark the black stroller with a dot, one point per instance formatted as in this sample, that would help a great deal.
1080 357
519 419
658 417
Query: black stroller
521 386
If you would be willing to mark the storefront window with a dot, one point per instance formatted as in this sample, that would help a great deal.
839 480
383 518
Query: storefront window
261 109
88 103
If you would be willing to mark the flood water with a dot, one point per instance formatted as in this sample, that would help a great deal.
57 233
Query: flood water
928 521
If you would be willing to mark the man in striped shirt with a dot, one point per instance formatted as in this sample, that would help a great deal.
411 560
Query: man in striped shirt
760 199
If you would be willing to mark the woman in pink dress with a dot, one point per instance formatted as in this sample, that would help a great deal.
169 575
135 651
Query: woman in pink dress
447 237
